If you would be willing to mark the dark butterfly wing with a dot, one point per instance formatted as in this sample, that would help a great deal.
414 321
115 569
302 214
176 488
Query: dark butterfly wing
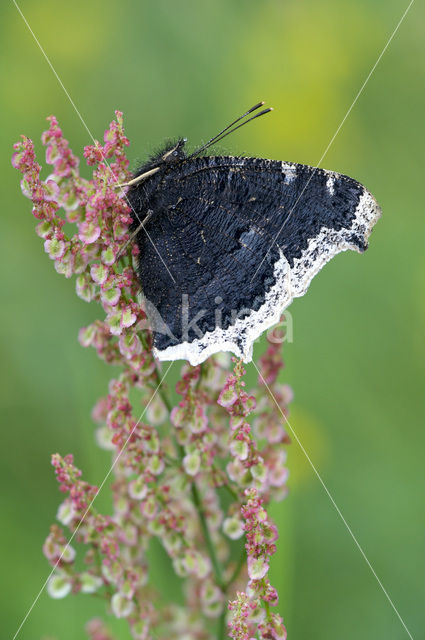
233 240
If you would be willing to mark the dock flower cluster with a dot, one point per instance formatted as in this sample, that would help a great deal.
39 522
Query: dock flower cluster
196 474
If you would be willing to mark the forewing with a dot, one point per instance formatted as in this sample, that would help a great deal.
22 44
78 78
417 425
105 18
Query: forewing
241 237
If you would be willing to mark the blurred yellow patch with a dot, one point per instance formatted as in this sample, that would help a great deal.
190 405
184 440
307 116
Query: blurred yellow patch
66 30
74 37
318 59
312 436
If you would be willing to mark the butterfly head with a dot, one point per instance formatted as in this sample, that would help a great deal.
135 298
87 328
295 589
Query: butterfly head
174 153
171 155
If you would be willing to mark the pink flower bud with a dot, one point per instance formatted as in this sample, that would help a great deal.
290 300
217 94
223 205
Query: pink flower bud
192 463
59 585
128 318
85 287
257 567
89 583
121 607
89 232
108 256
227 397
99 273
138 489
114 323
110 297
233 528
55 248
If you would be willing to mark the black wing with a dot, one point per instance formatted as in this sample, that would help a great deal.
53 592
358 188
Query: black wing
240 237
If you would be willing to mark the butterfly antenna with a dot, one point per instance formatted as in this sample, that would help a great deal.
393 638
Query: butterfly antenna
257 115
220 134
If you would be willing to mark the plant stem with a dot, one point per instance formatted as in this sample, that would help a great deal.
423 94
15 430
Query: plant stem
230 491
201 371
161 391
203 520
210 546
237 570
221 628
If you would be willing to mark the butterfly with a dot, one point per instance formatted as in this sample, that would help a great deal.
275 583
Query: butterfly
226 243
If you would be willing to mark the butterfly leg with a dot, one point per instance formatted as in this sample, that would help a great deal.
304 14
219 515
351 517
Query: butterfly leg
135 232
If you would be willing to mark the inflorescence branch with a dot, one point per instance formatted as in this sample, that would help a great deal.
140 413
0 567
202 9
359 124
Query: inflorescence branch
167 480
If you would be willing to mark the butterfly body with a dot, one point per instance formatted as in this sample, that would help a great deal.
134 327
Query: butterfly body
230 241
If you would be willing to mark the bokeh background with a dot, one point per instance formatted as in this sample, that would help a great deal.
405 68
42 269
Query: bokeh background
356 362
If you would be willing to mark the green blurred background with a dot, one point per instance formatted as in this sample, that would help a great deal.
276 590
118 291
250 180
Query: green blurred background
357 360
